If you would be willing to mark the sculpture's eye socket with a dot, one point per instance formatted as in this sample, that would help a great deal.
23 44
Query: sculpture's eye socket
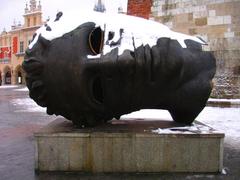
96 40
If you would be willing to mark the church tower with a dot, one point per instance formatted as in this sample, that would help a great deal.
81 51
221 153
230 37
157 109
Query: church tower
99 6
33 14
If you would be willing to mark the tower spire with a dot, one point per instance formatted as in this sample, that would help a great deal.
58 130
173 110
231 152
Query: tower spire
26 8
99 6
39 5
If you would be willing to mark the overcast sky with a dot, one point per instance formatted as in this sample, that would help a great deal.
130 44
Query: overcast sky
14 9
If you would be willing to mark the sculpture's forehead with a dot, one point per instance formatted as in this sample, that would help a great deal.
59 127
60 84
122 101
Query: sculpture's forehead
141 30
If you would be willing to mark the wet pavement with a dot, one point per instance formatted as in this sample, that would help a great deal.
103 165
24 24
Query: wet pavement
20 117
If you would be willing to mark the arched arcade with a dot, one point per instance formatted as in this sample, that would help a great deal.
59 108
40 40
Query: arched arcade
6 75
18 75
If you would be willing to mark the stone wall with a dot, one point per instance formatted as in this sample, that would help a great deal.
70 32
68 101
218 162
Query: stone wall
218 23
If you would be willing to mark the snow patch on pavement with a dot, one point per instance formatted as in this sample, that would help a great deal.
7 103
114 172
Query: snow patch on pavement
8 86
150 114
22 89
225 120
224 100
27 105
195 128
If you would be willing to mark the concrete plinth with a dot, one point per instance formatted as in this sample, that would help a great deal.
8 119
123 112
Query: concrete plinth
129 146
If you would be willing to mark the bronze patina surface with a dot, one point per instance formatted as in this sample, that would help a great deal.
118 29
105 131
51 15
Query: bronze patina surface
92 91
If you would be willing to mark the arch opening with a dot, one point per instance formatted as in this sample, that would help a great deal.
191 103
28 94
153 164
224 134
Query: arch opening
19 75
8 77
19 78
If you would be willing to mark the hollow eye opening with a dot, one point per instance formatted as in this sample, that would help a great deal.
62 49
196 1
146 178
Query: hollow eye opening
96 40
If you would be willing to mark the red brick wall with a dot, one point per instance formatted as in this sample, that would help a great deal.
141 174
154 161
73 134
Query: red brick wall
140 8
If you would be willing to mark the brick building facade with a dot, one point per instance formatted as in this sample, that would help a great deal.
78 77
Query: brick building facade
14 43
217 22
140 8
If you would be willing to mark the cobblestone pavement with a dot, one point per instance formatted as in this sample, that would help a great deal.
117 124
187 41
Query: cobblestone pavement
20 118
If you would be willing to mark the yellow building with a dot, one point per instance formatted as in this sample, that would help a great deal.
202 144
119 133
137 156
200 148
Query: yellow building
14 43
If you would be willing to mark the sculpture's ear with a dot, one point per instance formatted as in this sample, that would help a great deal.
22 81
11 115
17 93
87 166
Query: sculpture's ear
95 40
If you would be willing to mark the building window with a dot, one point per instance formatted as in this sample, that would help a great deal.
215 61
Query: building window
5 54
34 21
19 79
21 46
8 78
28 22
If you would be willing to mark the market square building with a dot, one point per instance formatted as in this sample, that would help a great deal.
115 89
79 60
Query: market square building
14 43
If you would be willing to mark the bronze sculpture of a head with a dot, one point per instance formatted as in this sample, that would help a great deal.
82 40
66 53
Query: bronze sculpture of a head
95 70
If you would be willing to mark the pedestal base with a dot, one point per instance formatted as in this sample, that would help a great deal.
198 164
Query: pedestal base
128 146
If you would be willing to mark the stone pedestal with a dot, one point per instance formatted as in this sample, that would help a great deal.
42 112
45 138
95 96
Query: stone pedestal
128 146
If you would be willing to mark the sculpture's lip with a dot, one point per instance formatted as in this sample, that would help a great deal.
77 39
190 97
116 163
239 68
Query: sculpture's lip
30 59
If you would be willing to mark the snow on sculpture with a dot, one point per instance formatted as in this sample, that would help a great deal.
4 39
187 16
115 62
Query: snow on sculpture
91 68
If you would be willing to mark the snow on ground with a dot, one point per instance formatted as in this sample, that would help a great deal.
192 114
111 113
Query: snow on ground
223 119
8 86
224 100
193 129
155 114
22 89
27 105
151 114
135 31
226 120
